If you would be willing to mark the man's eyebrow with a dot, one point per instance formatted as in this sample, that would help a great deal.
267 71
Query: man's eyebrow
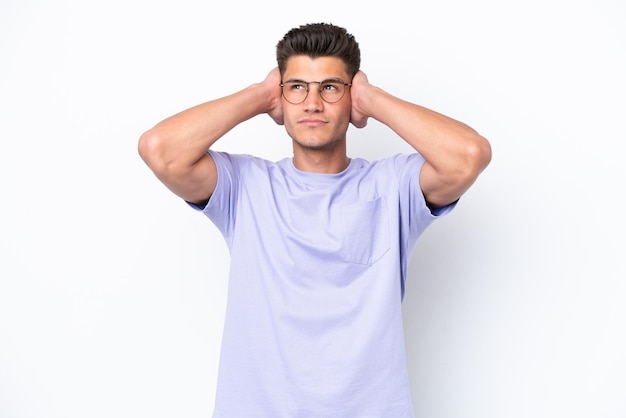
299 80
333 80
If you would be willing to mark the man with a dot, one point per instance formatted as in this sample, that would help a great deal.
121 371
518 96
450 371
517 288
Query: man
319 242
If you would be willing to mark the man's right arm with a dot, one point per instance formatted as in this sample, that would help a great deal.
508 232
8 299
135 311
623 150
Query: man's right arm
176 148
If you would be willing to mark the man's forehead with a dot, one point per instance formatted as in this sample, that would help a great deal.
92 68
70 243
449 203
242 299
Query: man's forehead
303 67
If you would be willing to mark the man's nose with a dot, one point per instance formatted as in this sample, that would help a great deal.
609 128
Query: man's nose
314 96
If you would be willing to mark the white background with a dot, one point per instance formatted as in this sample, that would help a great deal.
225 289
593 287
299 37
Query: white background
112 290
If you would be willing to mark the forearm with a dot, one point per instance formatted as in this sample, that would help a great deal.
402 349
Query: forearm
183 139
444 142
455 154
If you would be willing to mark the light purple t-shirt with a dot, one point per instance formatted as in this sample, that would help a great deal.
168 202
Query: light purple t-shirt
313 323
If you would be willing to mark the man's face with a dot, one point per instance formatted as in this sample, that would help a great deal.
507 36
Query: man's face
314 123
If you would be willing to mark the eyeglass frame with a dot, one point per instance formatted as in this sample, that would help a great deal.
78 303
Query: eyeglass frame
335 80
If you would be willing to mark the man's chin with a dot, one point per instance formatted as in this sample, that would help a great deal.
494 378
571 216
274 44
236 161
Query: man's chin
315 145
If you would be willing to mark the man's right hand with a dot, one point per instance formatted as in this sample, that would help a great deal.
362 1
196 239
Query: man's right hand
272 83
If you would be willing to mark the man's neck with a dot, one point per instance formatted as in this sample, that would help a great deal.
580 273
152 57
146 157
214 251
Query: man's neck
314 161
331 159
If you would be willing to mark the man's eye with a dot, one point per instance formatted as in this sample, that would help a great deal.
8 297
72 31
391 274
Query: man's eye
296 86
330 87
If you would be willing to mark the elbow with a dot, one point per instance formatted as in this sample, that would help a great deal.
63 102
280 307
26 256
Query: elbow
147 145
476 158
479 153
151 150
164 157
460 172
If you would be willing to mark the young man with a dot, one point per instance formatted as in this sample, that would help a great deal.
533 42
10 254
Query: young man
319 242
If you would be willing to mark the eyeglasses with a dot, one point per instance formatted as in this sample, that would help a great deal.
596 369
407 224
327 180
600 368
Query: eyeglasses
331 90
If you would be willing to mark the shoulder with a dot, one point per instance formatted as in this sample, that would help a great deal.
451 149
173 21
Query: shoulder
225 160
396 165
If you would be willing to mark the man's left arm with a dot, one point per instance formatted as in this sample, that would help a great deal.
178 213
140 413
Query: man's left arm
455 154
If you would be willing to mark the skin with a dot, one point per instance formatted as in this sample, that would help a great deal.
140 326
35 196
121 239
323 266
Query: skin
175 149
317 129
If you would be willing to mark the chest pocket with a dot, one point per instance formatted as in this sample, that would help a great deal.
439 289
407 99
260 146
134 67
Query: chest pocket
365 231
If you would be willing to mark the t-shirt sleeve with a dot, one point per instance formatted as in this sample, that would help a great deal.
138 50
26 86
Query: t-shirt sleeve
220 208
415 212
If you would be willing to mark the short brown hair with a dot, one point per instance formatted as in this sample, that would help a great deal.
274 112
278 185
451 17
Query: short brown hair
319 40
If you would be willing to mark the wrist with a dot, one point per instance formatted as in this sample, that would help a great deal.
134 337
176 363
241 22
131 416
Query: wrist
264 97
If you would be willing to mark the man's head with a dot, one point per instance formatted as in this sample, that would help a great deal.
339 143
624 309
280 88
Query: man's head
317 63
319 40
